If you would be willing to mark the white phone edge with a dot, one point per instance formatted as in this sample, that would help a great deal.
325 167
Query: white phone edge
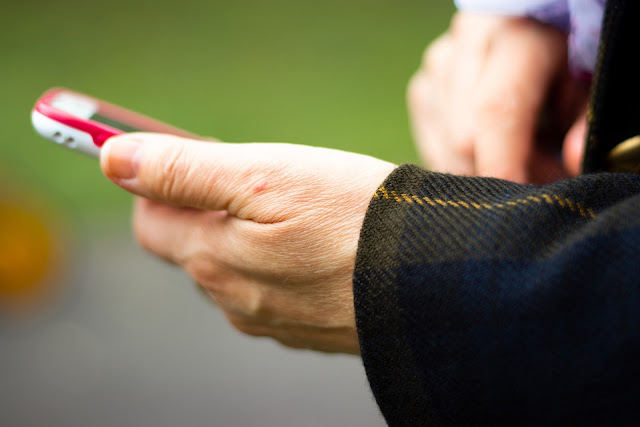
64 135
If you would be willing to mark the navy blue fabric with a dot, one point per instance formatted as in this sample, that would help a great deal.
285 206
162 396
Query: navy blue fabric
522 342
482 302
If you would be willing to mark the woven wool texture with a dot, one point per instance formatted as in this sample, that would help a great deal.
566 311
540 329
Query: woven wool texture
480 301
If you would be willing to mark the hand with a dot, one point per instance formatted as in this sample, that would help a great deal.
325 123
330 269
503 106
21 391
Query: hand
269 231
494 98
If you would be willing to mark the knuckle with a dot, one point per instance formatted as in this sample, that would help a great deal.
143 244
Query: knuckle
294 343
142 238
238 323
206 272
172 170
235 295
459 23
246 326
417 92
463 143
140 230
495 107
436 57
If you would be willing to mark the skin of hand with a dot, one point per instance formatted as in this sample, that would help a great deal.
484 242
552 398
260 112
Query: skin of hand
269 231
494 97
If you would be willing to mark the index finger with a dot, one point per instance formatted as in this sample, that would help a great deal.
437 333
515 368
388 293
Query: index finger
514 86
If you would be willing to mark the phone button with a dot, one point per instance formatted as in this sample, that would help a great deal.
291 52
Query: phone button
70 142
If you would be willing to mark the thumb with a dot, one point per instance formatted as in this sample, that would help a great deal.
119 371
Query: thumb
183 172
574 145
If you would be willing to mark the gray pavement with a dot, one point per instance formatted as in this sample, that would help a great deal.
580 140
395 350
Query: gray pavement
132 342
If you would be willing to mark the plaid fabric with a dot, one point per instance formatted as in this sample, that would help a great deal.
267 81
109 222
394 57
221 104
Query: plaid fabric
480 301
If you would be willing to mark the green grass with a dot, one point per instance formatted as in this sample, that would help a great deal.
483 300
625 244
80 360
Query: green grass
329 73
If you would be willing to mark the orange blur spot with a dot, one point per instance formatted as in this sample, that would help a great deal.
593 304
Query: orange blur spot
26 255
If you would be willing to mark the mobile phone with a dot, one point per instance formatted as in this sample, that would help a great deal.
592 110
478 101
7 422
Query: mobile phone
83 123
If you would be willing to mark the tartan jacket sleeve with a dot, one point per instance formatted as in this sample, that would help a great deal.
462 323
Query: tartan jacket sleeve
484 302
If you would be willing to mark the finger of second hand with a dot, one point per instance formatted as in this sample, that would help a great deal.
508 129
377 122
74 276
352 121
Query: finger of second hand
514 85
426 110
464 73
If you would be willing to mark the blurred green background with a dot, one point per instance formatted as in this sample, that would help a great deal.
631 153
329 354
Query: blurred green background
330 73
129 340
